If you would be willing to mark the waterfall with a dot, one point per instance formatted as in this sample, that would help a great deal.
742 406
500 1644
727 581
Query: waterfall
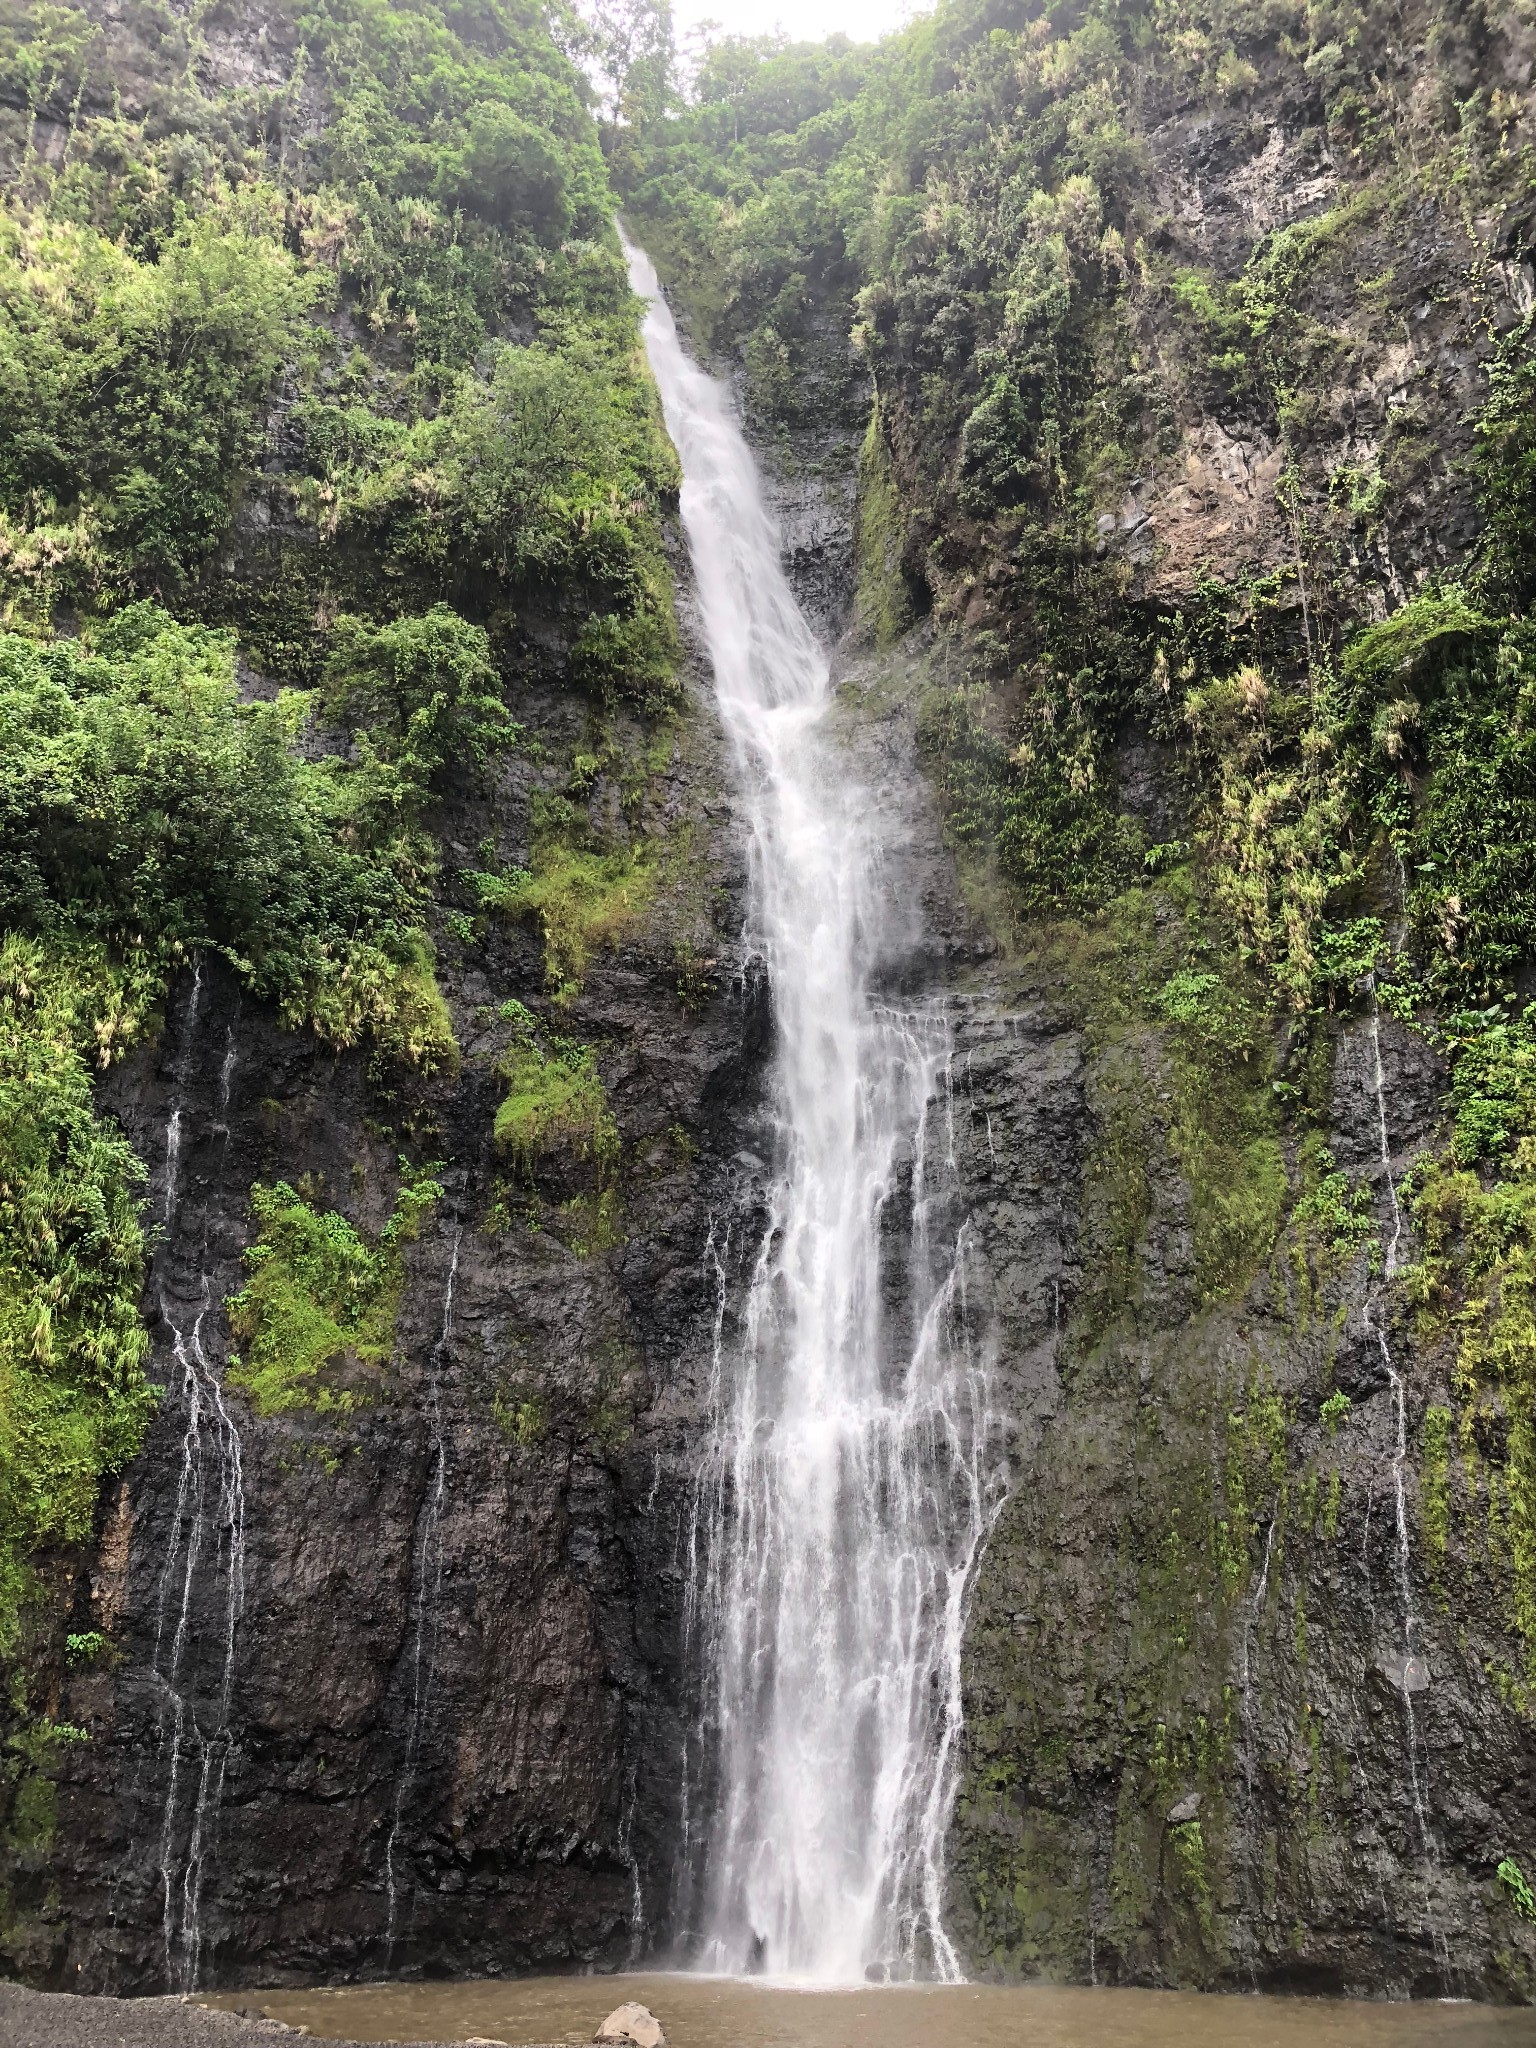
207 1540
210 1513
1413 1673
852 1472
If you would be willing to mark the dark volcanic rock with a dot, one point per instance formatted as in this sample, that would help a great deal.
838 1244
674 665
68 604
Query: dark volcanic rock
395 1695
407 1696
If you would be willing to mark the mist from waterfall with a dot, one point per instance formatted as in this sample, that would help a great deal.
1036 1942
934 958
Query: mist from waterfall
852 1472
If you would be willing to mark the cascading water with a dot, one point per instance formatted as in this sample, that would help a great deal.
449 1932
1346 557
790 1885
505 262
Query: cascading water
210 1516
207 1537
853 1472
1413 1674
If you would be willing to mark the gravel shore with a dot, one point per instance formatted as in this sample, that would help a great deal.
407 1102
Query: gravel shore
46 2019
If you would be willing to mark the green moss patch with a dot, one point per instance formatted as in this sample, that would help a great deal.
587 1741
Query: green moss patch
555 1103
583 901
320 1302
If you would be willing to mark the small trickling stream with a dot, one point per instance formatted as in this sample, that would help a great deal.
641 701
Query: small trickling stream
1412 1672
207 1539
426 1596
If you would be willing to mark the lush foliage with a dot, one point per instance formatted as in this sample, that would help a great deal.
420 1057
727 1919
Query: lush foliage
146 815
1513 1880
417 299
142 805
320 1299
73 1396
132 391
321 364
422 690
582 898
555 1101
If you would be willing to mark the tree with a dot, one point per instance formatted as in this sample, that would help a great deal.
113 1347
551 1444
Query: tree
635 55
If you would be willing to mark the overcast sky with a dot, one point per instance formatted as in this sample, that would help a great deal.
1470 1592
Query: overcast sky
804 20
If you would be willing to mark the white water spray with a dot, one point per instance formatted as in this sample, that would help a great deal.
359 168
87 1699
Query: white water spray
209 1533
853 1473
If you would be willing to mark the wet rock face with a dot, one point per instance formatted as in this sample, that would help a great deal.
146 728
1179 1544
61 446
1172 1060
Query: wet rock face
394 1695
1210 1738
1230 1719
420 1703
1217 1737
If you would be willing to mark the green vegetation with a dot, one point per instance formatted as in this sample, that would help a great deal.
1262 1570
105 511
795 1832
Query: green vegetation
1337 1215
1335 1410
144 808
1516 1889
160 285
1175 1022
27 1766
1480 1258
73 1397
555 1102
423 691
324 433
316 1317
132 388
885 603
524 1422
557 1133
147 816
583 900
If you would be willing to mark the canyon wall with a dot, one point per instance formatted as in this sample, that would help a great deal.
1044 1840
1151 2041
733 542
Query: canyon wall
1102 512
430 1651
1189 344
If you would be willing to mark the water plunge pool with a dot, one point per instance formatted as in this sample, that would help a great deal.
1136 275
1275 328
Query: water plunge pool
718 2012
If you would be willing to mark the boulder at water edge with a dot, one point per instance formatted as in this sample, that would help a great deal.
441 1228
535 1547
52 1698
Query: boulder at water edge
634 2024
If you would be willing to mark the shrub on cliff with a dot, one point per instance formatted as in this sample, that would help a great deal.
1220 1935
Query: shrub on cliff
74 1400
144 806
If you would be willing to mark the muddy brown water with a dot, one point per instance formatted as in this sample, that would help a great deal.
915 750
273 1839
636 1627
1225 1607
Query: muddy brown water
711 2012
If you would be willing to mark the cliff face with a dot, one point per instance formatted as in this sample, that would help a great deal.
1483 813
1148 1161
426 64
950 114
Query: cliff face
396 1693
1232 1714
1194 343
1239 1705
398 1684
368 1661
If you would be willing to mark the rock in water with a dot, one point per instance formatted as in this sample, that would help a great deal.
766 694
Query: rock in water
633 2023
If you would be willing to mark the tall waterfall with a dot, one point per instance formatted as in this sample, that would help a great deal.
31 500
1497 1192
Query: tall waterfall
852 1473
